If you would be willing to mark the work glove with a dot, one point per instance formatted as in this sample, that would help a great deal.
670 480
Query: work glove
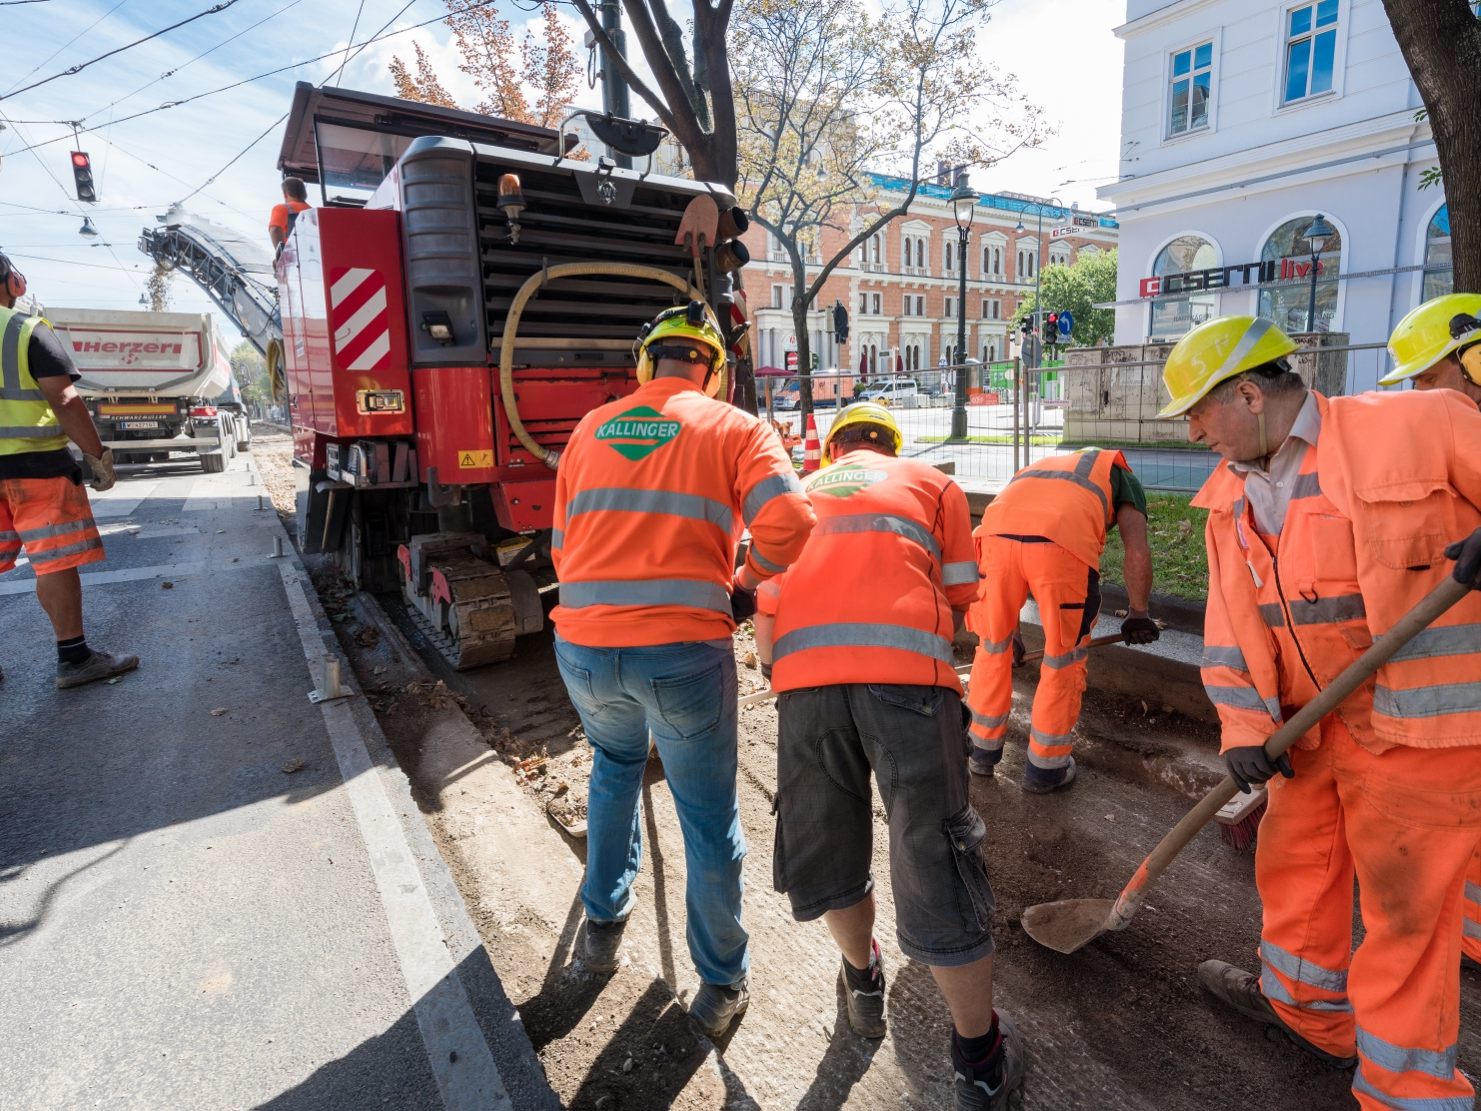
1020 650
1249 764
1139 630
1467 556
102 470
742 603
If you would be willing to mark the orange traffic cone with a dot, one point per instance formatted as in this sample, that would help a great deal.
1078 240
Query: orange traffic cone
812 451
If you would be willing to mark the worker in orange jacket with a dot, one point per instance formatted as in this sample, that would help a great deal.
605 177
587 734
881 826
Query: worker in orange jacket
857 637
1437 346
652 494
1044 534
1331 520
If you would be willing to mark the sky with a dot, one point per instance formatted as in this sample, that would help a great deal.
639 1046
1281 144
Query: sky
142 165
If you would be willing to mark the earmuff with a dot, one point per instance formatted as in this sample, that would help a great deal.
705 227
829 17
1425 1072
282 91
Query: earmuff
1466 326
12 279
647 353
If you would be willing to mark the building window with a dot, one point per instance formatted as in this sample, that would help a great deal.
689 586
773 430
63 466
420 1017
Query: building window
863 303
1438 278
875 247
776 296
1173 316
949 249
1288 300
950 309
874 301
1311 49
992 257
1192 83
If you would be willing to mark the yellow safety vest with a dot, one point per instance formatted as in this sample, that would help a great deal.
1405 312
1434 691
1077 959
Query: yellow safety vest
27 421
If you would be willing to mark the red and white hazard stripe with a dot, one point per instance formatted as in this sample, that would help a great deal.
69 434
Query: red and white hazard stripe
358 317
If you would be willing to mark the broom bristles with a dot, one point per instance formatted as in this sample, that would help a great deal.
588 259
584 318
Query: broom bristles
1239 819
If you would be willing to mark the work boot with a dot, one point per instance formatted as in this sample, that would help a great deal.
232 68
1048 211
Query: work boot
714 1007
975 1087
865 1004
100 665
982 762
1241 990
600 951
1041 782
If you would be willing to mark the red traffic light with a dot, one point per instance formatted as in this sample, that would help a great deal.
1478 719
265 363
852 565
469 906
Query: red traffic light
80 160
1054 318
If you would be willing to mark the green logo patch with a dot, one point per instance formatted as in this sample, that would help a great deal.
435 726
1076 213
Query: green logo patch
638 432
843 482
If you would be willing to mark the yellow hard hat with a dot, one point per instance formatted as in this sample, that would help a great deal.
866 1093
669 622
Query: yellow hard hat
694 323
1423 337
1216 351
865 412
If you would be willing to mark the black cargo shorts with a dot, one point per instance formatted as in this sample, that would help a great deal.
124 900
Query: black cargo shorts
910 737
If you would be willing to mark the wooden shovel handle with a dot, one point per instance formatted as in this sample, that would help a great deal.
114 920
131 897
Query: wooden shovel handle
1434 604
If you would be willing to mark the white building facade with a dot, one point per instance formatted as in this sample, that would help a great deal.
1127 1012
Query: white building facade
1241 121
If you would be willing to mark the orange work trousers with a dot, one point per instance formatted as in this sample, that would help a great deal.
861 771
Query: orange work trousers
1068 596
1405 823
1470 941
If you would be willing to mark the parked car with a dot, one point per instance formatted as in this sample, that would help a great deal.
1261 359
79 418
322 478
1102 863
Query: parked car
893 391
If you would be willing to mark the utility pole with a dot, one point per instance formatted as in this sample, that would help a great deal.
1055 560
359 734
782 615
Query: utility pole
614 88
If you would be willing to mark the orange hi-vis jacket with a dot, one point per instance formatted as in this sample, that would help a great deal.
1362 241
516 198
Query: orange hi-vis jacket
1066 499
1392 480
871 598
651 497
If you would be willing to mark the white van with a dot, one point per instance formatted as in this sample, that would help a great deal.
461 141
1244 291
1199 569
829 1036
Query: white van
893 391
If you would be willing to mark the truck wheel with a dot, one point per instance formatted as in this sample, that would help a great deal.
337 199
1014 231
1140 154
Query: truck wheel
213 463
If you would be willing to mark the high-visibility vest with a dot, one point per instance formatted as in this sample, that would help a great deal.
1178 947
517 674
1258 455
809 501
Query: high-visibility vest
1067 499
871 598
1393 479
652 494
27 420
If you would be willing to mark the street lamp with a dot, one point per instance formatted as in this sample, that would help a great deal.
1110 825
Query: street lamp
963 207
1039 265
1317 235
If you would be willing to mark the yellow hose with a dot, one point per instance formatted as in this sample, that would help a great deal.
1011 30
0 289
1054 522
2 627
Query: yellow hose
511 326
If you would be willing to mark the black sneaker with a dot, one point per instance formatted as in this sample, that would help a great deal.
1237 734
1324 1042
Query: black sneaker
1042 782
865 1005
600 951
100 665
714 1007
1239 989
975 1089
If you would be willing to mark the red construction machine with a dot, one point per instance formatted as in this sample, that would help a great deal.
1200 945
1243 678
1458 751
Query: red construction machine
463 293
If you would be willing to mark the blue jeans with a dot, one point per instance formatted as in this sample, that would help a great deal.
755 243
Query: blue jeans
685 695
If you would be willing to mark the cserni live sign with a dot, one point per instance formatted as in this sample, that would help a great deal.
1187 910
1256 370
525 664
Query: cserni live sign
1222 277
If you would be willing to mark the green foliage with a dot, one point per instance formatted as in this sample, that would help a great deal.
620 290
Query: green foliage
1078 287
251 374
1179 556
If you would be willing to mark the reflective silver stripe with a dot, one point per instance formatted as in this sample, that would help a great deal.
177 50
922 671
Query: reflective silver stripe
879 522
9 535
995 647
1448 640
1273 615
863 635
1232 658
1272 988
41 559
1048 763
1253 335
1302 971
766 564
986 745
1073 656
1428 702
557 538
1080 476
1340 607
67 528
774 487
1473 892
1306 486
1471 928
645 592
991 721
10 362
958 574
625 499
1242 698
1360 1083
1398 1058
29 432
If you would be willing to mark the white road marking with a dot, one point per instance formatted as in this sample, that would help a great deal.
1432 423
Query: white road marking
124 575
467 1076
121 500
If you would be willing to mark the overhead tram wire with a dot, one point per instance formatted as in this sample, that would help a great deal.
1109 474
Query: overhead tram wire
72 70
339 73
350 57
70 41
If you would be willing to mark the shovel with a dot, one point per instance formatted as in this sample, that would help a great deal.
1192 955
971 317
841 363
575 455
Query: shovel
1069 924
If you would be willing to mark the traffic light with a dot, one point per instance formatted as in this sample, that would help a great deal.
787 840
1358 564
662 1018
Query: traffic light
814 357
1051 329
82 174
1026 326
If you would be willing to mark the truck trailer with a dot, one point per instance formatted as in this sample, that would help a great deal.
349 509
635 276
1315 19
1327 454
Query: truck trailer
464 291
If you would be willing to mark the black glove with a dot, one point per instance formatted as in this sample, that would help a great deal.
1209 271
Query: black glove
1249 764
766 672
1139 630
1467 556
1020 650
967 728
742 603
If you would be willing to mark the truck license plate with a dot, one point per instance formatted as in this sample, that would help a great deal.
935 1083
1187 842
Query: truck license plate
137 425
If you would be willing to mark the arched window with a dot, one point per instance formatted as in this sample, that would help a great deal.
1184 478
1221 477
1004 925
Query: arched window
1287 302
997 260
950 253
1019 271
1438 279
874 248
920 253
1172 317
873 358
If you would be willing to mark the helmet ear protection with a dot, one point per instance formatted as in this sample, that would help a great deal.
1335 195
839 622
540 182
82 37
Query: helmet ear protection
1467 328
686 332
11 279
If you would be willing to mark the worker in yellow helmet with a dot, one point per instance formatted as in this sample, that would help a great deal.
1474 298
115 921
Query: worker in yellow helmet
1329 521
1433 342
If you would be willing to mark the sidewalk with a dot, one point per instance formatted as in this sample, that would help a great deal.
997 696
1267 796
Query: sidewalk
214 893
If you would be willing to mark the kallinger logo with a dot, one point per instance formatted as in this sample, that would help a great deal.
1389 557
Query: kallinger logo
843 482
638 432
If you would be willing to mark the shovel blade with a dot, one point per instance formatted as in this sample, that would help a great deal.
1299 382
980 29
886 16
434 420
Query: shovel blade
1068 924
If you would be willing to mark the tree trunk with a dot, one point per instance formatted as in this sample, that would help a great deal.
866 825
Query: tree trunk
804 346
1441 43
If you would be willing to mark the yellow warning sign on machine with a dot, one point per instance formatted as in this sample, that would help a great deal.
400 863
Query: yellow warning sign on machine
468 459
